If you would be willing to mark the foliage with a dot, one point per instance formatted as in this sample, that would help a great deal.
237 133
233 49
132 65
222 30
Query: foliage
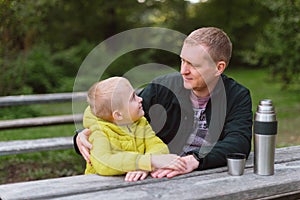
19 27
41 71
69 22
241 20
42 43
279 48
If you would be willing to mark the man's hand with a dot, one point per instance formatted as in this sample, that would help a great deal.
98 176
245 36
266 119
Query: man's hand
168 161
136 175
83 144
191 164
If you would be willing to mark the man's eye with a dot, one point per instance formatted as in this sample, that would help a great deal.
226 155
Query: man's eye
187 62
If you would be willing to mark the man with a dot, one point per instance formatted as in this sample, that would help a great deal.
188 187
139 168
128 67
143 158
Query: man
202 114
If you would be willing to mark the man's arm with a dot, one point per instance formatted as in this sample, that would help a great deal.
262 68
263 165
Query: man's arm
236 137
191 165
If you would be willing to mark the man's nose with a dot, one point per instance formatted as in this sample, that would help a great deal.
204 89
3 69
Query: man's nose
184 69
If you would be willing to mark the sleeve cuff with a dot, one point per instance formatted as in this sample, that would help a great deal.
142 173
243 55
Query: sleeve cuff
196 156
144 162
75 144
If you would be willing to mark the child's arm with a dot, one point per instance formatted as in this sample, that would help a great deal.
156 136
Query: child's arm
153 144
160 157
106 161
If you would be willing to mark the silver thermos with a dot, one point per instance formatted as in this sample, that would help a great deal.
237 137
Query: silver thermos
265 130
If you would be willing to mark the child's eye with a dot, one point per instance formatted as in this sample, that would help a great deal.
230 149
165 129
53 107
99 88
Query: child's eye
133 96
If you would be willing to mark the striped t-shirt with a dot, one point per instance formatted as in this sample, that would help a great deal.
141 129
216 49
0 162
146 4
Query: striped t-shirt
200 129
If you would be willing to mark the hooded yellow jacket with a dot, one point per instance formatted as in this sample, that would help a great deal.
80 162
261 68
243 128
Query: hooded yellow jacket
120 149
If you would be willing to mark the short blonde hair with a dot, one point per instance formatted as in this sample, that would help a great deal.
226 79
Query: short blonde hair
215 40
102 97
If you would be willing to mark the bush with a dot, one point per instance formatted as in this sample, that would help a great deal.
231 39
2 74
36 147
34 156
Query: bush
279 48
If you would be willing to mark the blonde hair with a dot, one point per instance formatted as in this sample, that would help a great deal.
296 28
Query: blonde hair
102 97
215 41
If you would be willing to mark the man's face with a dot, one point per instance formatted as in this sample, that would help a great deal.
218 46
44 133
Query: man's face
197 69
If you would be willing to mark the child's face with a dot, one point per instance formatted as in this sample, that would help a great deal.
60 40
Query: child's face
132 109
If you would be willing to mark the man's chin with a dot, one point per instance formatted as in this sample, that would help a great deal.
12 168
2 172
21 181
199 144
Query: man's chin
187 86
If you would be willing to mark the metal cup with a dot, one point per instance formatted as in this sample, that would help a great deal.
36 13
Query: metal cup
236 163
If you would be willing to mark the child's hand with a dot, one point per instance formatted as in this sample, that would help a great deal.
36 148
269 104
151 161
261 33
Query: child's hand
136 175
168 161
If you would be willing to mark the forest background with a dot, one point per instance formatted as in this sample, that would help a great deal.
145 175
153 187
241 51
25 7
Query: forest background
43 43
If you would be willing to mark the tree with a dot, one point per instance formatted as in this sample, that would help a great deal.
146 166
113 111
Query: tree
51 38
19 26
42 43
279 47
243 21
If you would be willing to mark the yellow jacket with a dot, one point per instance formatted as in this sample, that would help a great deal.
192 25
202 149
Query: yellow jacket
120 149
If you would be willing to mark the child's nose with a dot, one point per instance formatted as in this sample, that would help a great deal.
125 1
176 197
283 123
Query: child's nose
140 99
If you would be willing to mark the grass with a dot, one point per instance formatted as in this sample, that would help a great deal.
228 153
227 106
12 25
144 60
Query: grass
286 102
39 165
50 164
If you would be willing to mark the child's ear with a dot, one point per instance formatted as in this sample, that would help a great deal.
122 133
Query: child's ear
117 115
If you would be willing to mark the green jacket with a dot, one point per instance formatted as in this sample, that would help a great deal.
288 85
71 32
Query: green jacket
228 114
120 149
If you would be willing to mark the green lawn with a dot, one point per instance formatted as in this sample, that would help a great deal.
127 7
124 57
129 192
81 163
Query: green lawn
41 165
286 102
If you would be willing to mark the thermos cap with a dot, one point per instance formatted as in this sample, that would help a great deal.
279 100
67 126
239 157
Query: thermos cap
265 111
266 102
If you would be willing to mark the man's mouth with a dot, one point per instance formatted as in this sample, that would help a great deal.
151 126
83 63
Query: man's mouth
187 78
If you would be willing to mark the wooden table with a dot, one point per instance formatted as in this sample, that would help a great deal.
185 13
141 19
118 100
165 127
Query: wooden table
207 184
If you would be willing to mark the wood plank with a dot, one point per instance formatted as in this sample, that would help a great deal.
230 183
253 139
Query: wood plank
40 121
213 183
213 186
26 146
58 187
41 98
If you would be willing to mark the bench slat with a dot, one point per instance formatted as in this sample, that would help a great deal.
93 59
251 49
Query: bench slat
40 121
41 98
285 182
26 146
214 183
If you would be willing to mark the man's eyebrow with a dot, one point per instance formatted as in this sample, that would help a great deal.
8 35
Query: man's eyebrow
193 64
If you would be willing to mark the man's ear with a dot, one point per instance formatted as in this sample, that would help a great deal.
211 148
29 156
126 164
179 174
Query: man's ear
117 116
221 65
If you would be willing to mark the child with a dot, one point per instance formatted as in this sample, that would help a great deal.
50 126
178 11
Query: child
122 139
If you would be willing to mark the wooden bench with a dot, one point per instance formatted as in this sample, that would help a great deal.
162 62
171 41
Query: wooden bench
207 184
26 146
43 144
